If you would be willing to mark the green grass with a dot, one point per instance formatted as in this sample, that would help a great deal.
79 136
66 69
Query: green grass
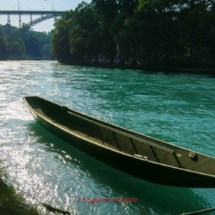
12 203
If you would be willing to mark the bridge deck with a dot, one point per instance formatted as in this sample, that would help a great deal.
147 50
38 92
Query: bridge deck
28 12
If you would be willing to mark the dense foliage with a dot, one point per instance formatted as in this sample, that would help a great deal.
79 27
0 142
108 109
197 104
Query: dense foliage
31 44
158 33
3 44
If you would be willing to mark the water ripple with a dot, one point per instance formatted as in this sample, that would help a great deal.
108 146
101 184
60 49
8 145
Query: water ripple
174 108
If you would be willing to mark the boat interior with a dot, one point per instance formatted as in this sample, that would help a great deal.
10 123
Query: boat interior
120 139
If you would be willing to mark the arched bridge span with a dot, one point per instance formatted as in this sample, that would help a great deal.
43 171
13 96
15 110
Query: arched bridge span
45 15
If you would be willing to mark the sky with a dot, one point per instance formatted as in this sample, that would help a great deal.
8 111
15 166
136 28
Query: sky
35 5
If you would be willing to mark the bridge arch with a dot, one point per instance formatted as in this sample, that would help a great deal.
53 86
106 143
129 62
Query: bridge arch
27 26
45 15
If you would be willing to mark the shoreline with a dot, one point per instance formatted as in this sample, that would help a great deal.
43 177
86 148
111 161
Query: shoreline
192 71
12 203
25 58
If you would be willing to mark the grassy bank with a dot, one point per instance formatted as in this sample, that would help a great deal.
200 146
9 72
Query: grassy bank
193 71
11 203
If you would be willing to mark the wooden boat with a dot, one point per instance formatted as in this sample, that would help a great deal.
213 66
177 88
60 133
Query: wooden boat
133 153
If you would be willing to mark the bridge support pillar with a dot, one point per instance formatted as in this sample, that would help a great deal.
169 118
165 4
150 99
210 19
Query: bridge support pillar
20 21
31 17
8 19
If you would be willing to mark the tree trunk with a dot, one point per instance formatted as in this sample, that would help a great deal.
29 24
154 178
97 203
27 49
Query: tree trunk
191 54
167 42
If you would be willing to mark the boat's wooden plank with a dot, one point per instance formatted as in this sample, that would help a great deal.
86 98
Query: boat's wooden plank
125 144
133 146
100 134
84 135
130 136
116 141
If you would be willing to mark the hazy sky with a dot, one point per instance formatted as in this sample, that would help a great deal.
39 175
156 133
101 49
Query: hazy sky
35 5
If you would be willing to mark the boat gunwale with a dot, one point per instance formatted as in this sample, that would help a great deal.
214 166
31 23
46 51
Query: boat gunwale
102 121
117 151
127 135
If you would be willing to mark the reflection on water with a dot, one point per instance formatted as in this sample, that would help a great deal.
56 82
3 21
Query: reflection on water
43 168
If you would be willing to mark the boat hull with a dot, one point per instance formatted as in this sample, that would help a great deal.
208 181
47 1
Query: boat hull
140 168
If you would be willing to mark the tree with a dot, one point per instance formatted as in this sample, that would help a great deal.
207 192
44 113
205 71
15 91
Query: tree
194 26
16 48
107 12
47 50
3 45
162 16
22 46
154 32
32 47
85 37
60 40
125 30
42 38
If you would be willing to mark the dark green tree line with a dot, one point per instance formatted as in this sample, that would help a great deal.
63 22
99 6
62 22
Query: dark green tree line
30 44
3 45
157 33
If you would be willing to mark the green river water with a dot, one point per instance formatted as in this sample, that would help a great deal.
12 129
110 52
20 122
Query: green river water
175 108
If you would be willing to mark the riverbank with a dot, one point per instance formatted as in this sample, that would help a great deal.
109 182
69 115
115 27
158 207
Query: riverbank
15 57
193 71
12 203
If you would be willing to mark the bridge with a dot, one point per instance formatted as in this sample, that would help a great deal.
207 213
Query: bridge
45 15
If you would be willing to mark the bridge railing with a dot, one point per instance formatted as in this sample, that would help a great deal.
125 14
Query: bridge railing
27 12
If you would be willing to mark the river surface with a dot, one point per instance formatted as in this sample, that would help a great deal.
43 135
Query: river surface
179 109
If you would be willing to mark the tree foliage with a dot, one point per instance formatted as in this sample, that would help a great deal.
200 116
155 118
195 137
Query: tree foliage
33 47
152 32
47 50
85 38
16 48
61 46
19 46
3 44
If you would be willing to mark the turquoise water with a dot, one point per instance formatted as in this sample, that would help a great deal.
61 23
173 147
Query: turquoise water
175 108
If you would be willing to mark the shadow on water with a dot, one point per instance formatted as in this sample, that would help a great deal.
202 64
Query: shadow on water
152 198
